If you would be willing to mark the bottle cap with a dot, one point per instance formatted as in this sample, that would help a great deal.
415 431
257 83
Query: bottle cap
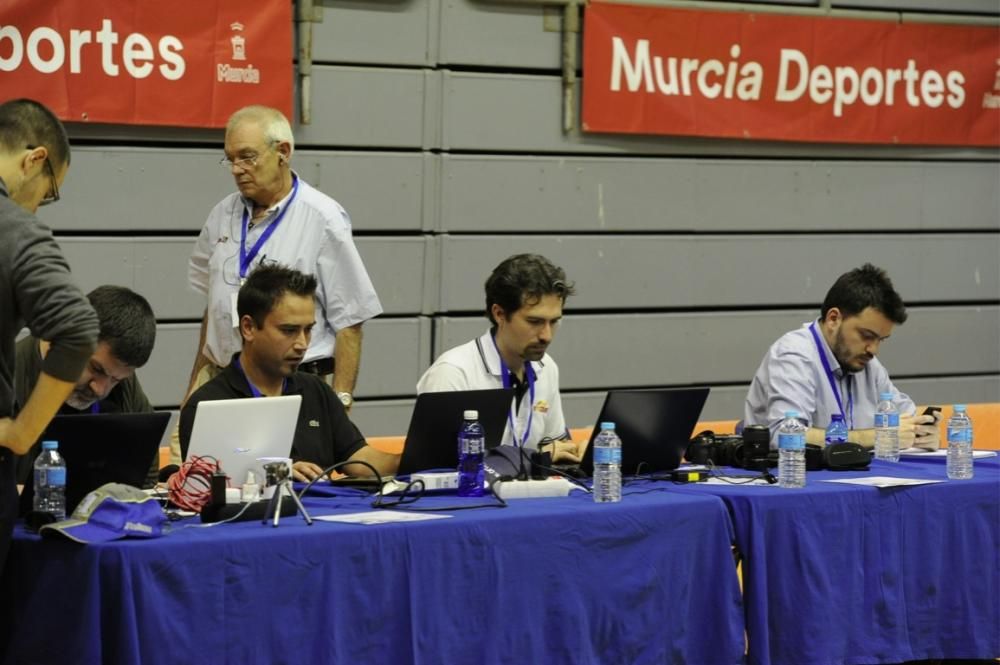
885 397
836 418
791 414
960 407
607 425
50 445
471 414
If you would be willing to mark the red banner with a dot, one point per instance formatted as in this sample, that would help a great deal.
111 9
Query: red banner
649 70
183 62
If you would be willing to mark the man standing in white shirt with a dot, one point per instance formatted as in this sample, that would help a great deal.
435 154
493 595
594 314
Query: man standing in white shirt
278 218
525 295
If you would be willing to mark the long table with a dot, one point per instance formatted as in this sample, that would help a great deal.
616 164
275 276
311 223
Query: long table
560 580
846 574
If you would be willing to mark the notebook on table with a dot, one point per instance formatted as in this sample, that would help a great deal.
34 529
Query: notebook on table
432 438
238 432
655 427
102 448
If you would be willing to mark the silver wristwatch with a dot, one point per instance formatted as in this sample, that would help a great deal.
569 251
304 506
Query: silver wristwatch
347 399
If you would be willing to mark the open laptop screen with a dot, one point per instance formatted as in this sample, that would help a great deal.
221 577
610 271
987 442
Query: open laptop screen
654 426
102 448
432 438
237 432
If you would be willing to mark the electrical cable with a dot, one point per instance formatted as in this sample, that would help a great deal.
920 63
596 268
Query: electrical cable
191 487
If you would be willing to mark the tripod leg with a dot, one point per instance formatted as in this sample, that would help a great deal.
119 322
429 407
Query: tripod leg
271 504
277 499
302 509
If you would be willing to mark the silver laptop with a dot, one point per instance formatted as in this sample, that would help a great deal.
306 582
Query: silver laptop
238 432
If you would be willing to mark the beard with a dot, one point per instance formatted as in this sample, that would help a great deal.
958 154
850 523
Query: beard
81 399
842 354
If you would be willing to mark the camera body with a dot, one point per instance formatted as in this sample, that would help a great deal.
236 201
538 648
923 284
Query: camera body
749 450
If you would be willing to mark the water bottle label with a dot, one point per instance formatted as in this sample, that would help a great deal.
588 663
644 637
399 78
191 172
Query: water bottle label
472 445
791 441
607 456
55 477
959 435
886 420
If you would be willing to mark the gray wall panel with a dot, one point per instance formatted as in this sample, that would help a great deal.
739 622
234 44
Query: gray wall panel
612 194
388 32
381 191
637 350
140 189
397 269
382 417
499 34
154 267
394 355
157 268
159 189
359 106
523 113
682 271
165 376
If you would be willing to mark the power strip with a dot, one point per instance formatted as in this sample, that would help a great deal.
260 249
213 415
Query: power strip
528 489
446 480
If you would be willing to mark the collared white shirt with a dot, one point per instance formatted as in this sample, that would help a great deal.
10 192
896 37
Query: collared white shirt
314 237
475 365
791 378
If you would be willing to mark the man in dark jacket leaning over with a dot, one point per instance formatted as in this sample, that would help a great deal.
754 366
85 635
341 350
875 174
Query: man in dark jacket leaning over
36 288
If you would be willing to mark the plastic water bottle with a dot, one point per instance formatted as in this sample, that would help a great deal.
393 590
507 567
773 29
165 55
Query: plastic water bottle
792 451
607 465
471 446
959 445
50 481
886 429
836 432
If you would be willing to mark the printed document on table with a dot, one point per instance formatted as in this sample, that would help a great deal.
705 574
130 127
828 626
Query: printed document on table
943 452
380 517
882 481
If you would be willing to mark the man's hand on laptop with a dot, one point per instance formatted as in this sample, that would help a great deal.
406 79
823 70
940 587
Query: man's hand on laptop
305 471
566 452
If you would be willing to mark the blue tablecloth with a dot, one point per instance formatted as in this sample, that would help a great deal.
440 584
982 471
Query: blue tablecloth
560 580
845 574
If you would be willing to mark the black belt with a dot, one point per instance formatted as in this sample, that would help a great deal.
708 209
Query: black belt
320 367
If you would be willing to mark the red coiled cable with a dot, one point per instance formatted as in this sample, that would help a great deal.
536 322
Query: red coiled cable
191 487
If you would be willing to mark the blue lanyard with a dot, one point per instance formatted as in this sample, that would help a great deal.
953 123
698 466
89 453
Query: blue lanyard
833 380
529 375
253 389
95 407
245 258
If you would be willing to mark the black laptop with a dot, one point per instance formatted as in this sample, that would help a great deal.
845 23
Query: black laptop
654 426
102 448
432 439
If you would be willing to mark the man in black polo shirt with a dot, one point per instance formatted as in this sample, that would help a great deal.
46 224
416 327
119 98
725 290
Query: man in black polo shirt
277 315
108 383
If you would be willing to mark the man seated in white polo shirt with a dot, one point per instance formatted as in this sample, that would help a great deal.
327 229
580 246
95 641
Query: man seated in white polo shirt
525 295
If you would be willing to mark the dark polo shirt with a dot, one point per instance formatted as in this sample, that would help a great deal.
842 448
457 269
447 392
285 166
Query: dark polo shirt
324 434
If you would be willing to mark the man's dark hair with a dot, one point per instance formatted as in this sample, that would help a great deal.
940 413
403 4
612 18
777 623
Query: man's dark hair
266 286
128 325
523 279
867 286
26 123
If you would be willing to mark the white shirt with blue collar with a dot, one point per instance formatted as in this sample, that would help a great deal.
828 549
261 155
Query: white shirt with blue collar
476 365
791 377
